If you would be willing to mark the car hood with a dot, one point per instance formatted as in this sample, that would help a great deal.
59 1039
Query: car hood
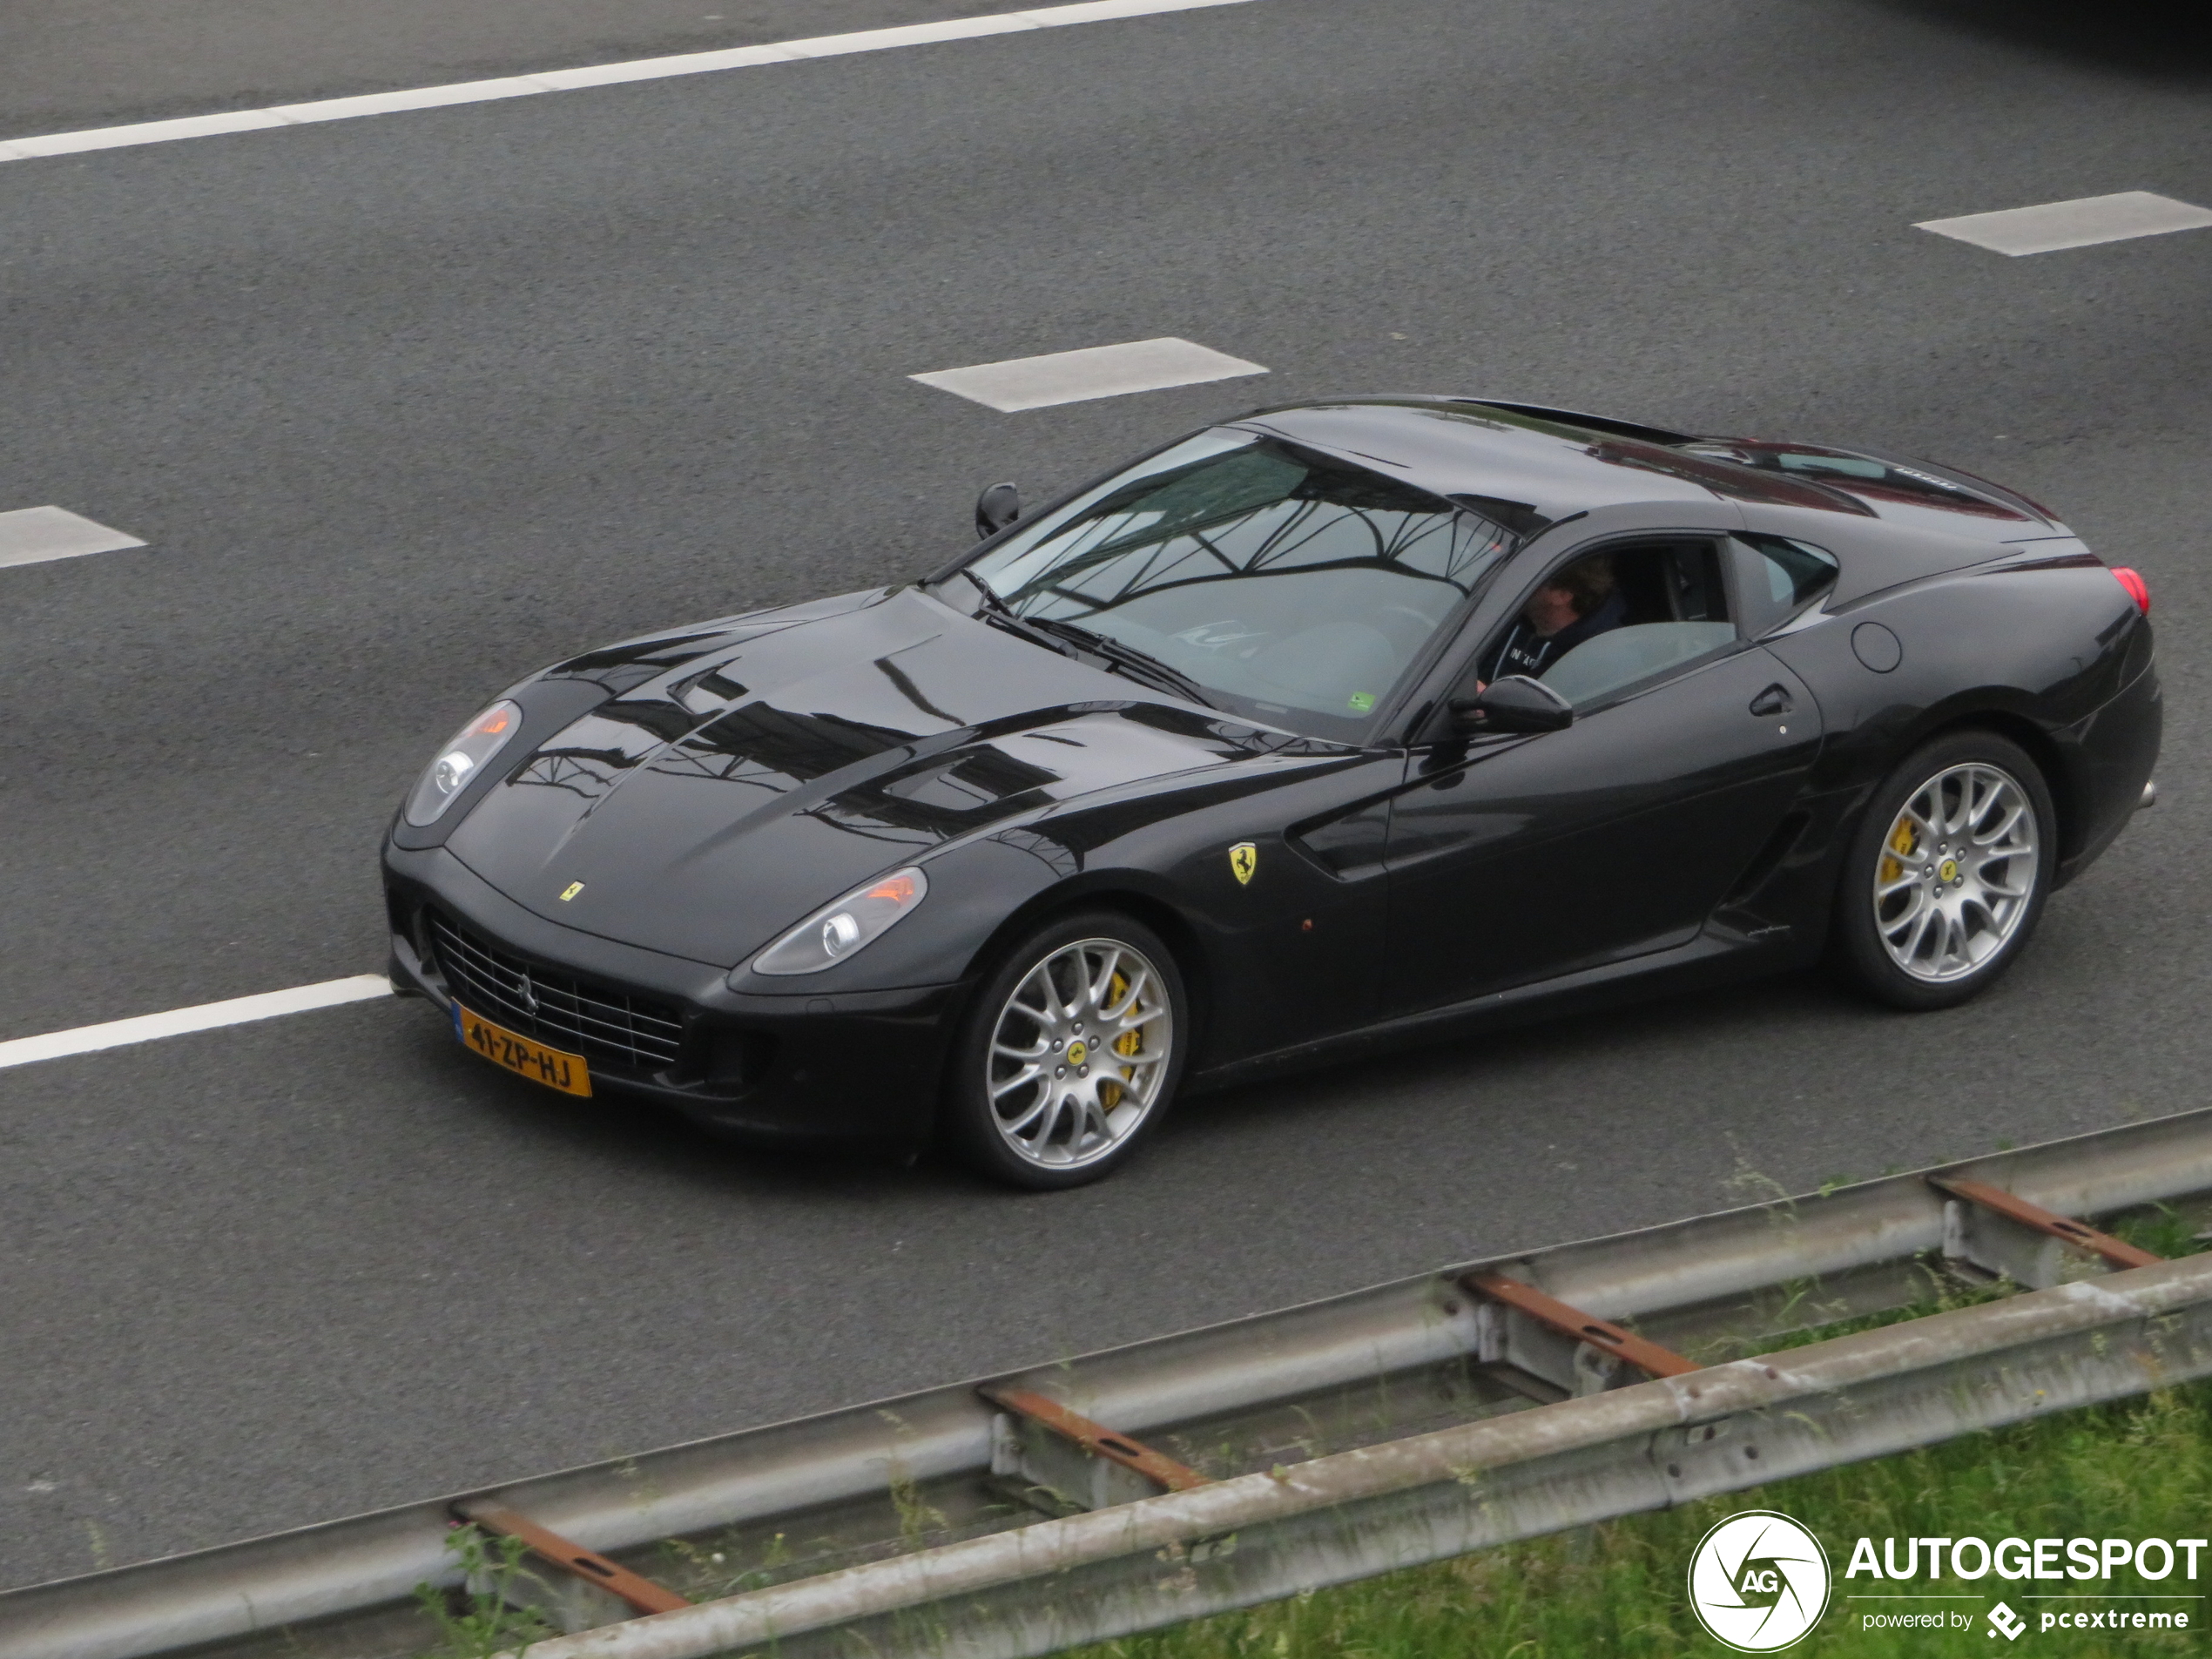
704 813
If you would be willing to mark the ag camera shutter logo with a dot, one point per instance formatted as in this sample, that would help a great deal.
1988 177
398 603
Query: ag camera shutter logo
1758 1581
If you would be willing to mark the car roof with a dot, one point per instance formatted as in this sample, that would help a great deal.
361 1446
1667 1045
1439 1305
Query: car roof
1527 466
1543 465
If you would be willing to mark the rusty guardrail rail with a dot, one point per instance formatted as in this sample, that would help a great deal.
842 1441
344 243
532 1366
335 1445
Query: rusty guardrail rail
1148 1484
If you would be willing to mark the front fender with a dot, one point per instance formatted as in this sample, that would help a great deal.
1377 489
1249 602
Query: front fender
549 707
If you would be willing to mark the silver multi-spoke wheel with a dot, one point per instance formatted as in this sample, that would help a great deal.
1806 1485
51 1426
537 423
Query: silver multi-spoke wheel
1956 871
1079 1053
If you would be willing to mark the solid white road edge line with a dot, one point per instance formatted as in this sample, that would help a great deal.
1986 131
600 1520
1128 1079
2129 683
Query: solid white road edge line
563 80
239 1011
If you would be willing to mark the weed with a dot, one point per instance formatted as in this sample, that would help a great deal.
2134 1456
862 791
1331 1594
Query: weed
2164 1232
1751 1185
917 1519
1944 1294
479 1620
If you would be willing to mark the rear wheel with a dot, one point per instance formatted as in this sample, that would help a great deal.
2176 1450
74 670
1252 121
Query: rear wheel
1070 1055
1947 874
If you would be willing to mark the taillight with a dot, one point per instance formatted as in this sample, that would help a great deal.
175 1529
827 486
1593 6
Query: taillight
2138 589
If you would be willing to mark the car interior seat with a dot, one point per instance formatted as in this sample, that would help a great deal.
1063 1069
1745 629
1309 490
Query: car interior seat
1671 582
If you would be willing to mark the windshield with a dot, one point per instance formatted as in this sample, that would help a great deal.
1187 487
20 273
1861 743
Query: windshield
1285 584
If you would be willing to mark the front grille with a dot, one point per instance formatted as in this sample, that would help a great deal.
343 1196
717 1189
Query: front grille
610 1027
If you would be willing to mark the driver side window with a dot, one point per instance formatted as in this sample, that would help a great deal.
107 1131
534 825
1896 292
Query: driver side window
1616 619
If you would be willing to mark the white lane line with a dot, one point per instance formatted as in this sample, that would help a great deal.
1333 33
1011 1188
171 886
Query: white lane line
240 1010
2081 223
564 80
1096 371
33 534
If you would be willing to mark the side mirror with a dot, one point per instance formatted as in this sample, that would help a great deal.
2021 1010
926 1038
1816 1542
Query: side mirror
1514 704
996 507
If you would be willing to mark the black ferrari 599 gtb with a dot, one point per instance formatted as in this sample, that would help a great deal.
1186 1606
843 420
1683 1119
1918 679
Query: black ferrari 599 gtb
1331 724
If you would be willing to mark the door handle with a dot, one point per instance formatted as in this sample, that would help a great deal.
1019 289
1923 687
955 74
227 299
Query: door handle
1773 700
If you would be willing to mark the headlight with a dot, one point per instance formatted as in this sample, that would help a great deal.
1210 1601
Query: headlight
836 931
460 760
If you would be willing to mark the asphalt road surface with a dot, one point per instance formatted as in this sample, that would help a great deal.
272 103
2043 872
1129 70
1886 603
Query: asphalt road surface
408 406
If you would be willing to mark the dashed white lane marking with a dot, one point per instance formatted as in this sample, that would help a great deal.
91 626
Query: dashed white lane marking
2083 223
1096 371
565 80
240 1010
33 534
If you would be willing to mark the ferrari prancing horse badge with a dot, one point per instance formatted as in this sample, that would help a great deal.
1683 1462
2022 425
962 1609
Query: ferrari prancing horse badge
1244 858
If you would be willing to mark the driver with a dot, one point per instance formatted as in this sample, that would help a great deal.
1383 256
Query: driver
1577 602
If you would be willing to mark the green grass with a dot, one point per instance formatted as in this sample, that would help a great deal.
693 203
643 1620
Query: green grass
2140 1469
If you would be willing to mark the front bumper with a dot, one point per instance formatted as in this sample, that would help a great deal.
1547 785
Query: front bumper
862 1068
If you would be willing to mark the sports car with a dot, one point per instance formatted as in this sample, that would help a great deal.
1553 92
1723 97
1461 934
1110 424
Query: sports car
1328 726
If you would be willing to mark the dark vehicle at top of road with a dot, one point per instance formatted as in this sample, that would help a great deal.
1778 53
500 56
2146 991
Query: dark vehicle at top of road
1222 764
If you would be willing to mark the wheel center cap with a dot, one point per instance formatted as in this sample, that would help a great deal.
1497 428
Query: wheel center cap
1077 1053
1948 870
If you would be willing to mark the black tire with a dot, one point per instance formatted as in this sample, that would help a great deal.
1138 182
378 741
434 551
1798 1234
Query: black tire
1888 946
1083 1119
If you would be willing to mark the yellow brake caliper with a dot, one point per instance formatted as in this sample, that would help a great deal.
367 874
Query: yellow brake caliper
1903 838
1109 1093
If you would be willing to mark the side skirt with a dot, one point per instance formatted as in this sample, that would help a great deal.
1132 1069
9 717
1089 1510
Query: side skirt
1715 956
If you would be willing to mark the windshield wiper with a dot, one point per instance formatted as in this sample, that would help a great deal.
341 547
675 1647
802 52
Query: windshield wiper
1067 637
999 613
1127 658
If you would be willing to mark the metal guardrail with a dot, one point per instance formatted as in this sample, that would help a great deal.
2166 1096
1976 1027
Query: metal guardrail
1322 1443
1160 1561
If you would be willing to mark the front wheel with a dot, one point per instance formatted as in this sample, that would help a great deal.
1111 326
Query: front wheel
1069 1054
1947 874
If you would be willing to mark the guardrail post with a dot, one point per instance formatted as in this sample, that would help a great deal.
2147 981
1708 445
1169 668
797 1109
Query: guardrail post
1548 1350
1999 1233
1051 1450
593 1591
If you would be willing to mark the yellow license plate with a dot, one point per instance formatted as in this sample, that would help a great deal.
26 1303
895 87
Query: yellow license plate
565 1072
